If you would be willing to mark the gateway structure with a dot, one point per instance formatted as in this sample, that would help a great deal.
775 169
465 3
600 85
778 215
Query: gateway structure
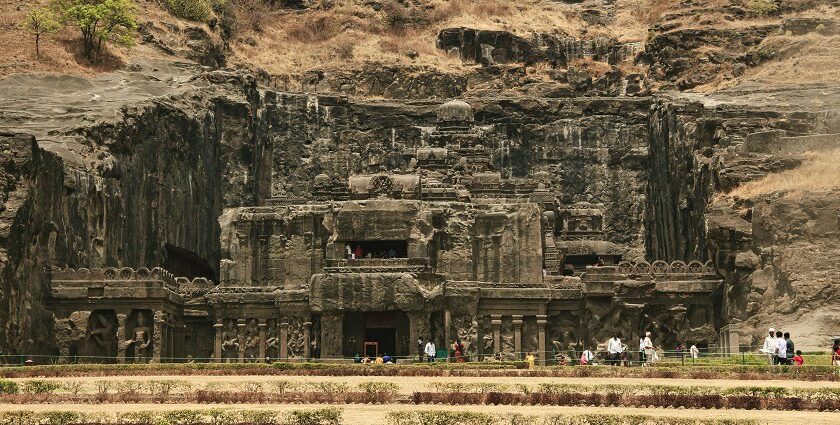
443 245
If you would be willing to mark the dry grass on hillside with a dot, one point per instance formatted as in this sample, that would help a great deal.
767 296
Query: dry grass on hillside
819 172
295 41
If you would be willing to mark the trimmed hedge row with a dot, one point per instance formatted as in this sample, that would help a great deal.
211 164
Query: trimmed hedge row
320 416
693 401
440 417
482 369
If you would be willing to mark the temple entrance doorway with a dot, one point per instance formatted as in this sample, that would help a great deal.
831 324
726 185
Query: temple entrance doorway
376 333
380 329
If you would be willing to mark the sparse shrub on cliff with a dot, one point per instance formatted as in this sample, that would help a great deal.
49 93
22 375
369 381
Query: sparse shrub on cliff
762 7
192 10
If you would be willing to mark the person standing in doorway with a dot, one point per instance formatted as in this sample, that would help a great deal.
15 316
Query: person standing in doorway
431 351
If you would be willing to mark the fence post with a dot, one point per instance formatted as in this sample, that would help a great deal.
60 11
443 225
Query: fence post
743 358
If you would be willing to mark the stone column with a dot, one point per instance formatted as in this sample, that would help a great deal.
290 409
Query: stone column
517 336
218 328
418 324
447 320
158 338
170 341
307 328
542 320
496 322
261 327
122 341
284 340
332 335
240 333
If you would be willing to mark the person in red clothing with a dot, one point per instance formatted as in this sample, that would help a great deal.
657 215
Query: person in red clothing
835 353
797 359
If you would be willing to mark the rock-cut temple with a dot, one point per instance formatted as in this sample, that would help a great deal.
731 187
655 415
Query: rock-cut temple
450 246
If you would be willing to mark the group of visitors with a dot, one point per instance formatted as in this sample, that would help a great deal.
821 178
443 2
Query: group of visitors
358 252
384 359
618 353
780 350
835 353
428 349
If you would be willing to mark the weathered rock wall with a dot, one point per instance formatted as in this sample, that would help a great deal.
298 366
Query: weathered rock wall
593 149
769 250
140 189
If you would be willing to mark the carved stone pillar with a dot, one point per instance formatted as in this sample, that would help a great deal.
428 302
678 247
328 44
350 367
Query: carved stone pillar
217 344
332 335
496 322
122 341
261 327
170 341
418 327
158 338
240 334
517 335
447 320
284 340
307 328
542 320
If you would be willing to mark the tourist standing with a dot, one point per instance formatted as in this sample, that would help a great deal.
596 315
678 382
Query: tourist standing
835 353
790 349
458 348
769 346
420 347
781 348
695 352
649 353
586 357
431 351
641 350
614 349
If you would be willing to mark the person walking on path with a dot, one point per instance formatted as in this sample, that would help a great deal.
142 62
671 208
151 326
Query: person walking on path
769 346
649 351
614 349
431 351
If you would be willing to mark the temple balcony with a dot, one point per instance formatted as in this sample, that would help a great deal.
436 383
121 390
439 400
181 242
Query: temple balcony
376 265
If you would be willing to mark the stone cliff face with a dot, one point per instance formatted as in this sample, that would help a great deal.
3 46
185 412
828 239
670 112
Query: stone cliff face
145 187
136 168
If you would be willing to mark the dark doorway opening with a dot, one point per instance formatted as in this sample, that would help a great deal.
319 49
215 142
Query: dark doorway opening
376 249
183 262
380 328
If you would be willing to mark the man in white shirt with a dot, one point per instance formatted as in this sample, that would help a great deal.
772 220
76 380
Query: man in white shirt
431 351
649 354
781 348
641 350
695 352
586 358
614 349
769 346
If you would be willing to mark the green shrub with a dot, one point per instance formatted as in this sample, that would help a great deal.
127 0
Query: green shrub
439 417
378 387
62 418
182 417
8 387
323 416
40 387
329 387
762 7
191 10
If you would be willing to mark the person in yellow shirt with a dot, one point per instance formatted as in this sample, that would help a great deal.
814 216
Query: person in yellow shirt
379 360
531 360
